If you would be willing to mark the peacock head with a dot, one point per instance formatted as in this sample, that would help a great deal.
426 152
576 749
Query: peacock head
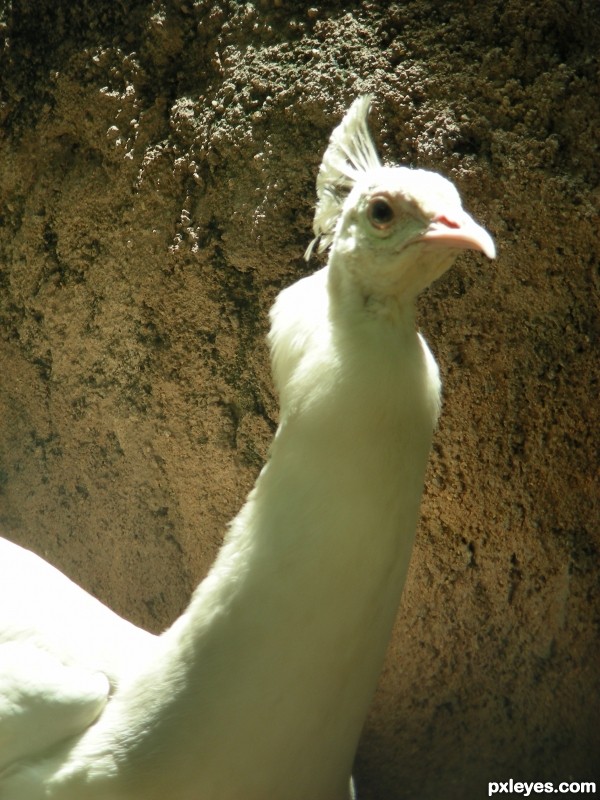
392 230
400 229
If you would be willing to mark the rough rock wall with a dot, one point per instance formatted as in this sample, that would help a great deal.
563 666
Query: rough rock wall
157 177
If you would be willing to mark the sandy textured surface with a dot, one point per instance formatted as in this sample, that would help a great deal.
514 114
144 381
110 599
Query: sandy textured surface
157 169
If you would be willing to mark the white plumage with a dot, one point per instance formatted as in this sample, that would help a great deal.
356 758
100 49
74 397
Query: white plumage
260 689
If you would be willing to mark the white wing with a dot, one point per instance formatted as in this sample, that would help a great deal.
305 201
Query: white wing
43 701
62 653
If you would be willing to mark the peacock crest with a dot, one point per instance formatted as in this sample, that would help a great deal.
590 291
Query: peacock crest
350 153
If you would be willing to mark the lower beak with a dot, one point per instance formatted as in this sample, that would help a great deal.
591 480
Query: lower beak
461 232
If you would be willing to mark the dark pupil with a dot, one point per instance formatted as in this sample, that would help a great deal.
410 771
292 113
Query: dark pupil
381 212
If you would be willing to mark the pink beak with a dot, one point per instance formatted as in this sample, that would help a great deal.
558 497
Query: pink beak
461 232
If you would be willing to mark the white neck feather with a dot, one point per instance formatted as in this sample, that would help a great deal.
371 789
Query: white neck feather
293 620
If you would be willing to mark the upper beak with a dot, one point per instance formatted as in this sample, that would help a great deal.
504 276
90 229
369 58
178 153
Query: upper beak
461 232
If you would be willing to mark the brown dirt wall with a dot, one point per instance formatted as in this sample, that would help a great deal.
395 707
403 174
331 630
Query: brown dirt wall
157 171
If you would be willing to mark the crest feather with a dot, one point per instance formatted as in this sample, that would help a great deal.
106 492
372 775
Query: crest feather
349 154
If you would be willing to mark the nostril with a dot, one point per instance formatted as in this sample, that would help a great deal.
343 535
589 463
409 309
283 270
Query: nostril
449 223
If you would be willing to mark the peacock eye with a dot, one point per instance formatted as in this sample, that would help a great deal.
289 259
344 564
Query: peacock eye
380 212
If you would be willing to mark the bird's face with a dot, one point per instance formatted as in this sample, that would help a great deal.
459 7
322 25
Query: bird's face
400 229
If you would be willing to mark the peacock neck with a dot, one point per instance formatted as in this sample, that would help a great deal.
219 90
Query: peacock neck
292 622
261 687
